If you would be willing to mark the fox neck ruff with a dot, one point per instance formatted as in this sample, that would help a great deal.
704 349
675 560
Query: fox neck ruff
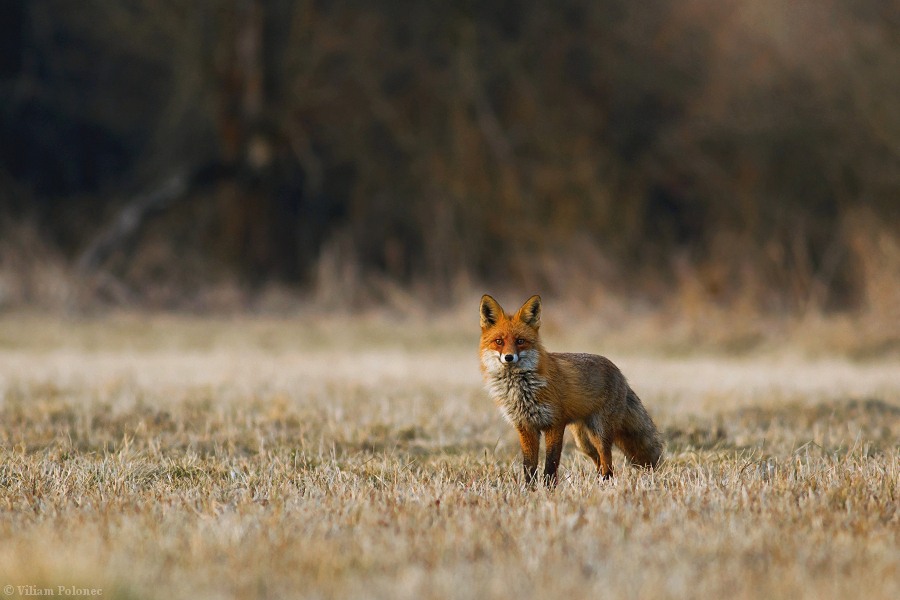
514 388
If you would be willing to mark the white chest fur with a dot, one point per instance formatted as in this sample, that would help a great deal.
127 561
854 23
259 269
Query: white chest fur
514 388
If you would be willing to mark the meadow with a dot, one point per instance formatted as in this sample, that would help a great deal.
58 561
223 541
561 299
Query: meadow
322 457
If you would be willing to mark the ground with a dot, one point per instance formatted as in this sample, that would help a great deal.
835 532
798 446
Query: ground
182 457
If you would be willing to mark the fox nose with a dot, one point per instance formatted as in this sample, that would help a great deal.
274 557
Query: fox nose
508 358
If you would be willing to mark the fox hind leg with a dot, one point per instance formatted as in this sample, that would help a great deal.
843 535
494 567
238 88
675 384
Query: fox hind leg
583 442
605 447
591 442
606 459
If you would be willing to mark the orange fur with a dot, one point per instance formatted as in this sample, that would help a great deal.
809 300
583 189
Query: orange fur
544 392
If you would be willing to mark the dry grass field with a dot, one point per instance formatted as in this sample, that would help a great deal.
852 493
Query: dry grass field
177 457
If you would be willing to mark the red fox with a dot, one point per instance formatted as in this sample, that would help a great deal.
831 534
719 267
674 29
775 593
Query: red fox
543 392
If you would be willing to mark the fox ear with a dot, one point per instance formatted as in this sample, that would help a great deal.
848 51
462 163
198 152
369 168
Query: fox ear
490 312
530 313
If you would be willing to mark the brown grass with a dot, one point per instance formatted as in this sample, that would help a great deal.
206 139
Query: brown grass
195 458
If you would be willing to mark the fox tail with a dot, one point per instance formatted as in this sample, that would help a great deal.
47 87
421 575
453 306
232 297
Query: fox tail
638 437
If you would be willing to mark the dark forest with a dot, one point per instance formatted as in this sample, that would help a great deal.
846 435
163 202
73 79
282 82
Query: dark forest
737 153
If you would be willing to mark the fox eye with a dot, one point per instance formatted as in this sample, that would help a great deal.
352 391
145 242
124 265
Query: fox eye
499 341
520 341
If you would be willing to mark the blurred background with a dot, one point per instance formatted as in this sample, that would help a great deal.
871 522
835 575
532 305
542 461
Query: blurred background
243 154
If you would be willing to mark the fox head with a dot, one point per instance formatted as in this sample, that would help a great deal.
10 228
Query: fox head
510 342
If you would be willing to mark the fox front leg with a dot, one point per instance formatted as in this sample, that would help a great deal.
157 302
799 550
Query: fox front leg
554 440
530 439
